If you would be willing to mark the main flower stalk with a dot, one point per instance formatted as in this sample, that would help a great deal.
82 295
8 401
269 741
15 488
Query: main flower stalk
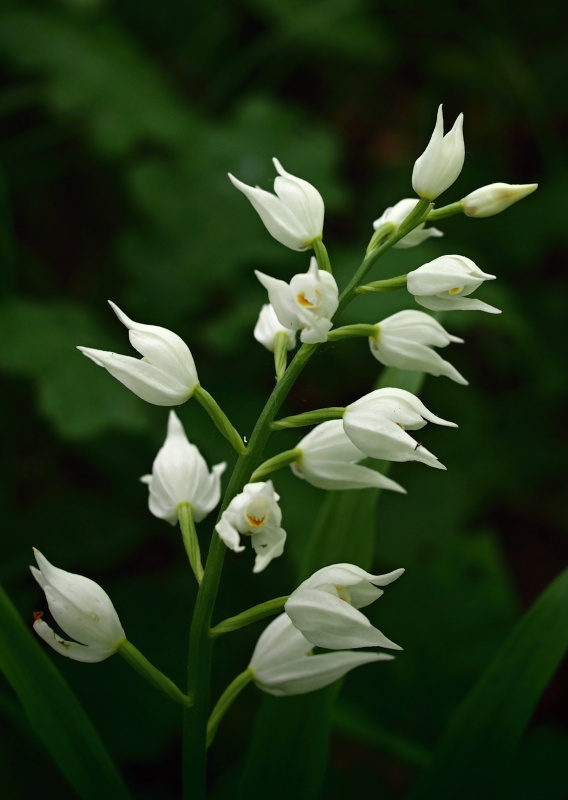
200 638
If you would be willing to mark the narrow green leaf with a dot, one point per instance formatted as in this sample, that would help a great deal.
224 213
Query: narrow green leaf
474 753
291 735
54 713
288 752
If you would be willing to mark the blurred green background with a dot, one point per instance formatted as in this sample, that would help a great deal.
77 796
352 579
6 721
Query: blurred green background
119 122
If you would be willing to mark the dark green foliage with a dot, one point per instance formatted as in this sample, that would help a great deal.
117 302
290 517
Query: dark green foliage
119 122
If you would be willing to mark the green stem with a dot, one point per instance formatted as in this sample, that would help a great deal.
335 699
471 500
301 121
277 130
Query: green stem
388 285
446 211
321 255
380 236
200 640
350 331
190 540
276 462
232 691
280 354
150 673
249 616
416 216
219 418
309 418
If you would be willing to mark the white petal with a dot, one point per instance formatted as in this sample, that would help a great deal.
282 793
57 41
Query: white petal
77 652
267 544
229 534
310 673
146 381
279 294
330 622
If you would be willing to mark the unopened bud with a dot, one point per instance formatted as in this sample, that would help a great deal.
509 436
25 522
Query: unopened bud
494 198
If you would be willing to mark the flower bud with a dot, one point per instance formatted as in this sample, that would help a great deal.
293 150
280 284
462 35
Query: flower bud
377 424
325 607
82 609
445 283
307 303
328 459
283 663
494 198
254 512
180 475
294 216
268 327
441 162
404 341
395 215
164 376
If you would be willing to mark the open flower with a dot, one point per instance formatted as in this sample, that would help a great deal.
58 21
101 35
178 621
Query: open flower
441 162
307 303
82 609
164 376
255 513
377 423
444 284
283 663
404 341
180 475
325 607
494 198
268 327
294 215
329 459
395 215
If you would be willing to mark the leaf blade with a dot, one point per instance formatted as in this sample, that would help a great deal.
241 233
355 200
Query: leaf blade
54 713
474 751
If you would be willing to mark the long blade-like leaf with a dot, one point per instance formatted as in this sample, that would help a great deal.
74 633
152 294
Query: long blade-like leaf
54 712
474 752
345 531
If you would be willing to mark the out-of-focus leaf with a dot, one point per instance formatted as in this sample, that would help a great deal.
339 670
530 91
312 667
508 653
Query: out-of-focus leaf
292 761
200 231
54 713
96 73
345 531
473 755
80 399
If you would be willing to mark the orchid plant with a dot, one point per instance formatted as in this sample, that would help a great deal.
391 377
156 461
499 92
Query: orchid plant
323 611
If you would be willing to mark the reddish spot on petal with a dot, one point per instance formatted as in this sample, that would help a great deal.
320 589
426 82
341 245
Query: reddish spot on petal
37 615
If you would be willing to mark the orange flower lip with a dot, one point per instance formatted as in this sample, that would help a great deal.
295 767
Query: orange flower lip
256 522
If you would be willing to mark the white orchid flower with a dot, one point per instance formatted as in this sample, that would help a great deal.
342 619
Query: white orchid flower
82 609
494 198
307 303
377 423
254 512
325 607
445 283
180 475
164 376
404 340
395 215
442 161
328 459
294 215
268 327
283 663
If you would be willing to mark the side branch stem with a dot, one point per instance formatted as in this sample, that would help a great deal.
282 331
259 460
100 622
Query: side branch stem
190 540
232 691
321 255
249 616
416 216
